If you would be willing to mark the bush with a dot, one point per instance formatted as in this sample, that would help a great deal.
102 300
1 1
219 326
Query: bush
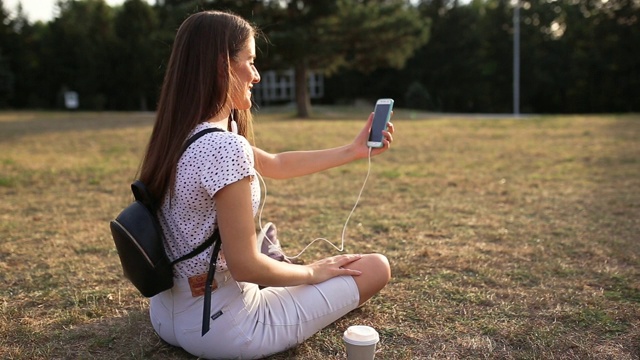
417 97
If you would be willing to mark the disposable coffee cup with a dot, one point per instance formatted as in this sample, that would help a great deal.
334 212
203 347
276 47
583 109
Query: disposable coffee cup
361 342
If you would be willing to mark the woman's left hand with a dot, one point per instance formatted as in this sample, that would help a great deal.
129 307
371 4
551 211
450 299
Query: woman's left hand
360 142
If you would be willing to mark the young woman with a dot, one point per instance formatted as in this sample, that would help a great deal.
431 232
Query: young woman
259 306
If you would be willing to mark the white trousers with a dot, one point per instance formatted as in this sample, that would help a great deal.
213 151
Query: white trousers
249 323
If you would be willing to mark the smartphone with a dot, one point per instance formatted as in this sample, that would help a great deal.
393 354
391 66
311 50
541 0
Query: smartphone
381 116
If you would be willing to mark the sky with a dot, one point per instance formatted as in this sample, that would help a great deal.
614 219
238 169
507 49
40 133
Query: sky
43 10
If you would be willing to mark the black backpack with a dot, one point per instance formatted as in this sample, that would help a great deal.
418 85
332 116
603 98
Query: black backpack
139 240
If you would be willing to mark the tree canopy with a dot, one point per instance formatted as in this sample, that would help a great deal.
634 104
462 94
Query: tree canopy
577 56
343 34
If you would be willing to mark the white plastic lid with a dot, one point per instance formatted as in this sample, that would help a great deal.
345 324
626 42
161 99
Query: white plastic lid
361 335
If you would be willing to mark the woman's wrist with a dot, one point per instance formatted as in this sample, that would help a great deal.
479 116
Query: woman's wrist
354 152
309 276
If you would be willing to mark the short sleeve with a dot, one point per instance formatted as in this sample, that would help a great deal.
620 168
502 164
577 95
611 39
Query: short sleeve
227 158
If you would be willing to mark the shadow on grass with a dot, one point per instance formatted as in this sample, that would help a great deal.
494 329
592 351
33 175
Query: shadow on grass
131 336
128 337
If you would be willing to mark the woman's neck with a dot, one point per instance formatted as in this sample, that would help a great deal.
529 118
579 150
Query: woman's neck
221 120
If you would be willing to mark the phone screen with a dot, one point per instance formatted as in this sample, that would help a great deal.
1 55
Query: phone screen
380 117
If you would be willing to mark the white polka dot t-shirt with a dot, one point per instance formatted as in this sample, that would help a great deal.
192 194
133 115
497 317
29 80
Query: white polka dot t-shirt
188 219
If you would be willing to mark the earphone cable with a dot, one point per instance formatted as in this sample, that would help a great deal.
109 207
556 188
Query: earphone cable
344 228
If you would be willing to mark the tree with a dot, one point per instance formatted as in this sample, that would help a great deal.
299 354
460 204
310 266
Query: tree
135 59
6 81
81 48
449 66
576 56
6 74
333 35
19 61
604 71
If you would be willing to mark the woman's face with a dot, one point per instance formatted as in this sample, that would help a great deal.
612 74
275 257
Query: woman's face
246 75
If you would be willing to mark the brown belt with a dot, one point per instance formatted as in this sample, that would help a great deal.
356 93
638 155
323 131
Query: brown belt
197 284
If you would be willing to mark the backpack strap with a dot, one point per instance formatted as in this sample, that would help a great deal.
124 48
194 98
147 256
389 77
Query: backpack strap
142 194
198 135
214 239
202 247
206 310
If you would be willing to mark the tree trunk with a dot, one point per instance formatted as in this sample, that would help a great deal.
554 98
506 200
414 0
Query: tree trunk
303 102
143 102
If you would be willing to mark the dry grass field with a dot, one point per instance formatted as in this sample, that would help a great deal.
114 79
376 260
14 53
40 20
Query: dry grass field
508 238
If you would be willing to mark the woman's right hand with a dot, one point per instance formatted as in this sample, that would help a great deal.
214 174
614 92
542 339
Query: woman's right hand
359 145
325 269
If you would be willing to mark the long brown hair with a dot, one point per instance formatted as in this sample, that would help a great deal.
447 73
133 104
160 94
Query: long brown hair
196 88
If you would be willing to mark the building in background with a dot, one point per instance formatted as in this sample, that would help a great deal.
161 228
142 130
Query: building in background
278 87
